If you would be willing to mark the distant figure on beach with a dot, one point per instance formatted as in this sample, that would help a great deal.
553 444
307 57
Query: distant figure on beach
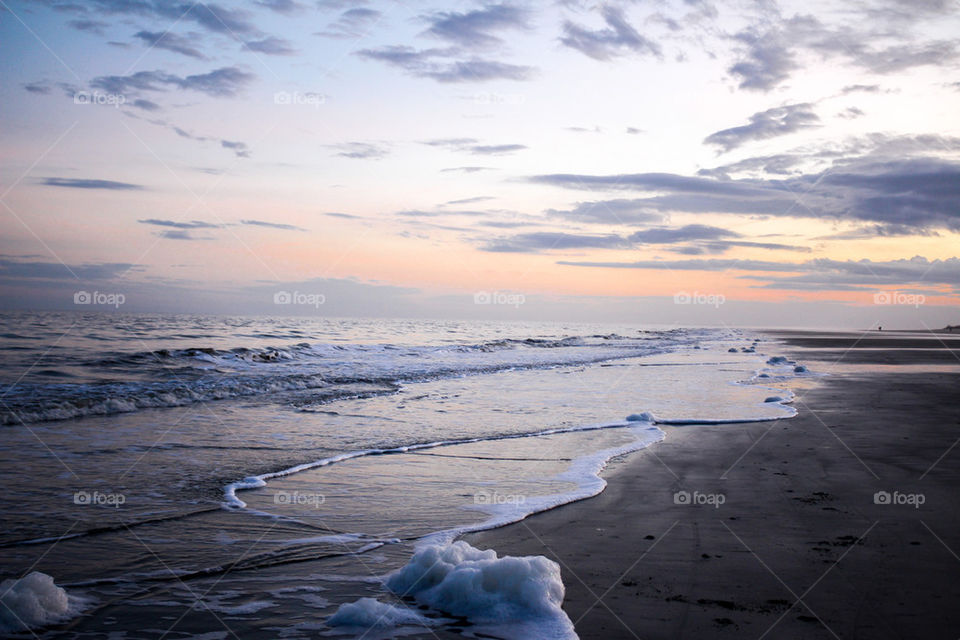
879 328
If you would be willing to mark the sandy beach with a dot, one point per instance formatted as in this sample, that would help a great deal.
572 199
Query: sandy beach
841 522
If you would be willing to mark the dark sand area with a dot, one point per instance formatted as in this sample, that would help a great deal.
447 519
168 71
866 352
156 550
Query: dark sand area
800 548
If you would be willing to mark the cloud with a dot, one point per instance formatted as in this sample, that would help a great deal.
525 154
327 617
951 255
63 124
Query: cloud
618 211
13 267
921 193
146 105
90 26
769 55
225 82
178 234
767 61
86 183
617 39
547 240
771 123
273 225
361 150
212 17
175 224
465 169
671 235
240 149
470 200
171 42
271 46
436 64
471 145
39 87
285 7
352 23
475 29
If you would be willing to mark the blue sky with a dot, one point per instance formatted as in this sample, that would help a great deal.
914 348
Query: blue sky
598 160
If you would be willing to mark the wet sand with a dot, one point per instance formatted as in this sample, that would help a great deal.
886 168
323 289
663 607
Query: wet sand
800 546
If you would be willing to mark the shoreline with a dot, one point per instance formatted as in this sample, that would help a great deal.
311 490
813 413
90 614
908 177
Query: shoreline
799 547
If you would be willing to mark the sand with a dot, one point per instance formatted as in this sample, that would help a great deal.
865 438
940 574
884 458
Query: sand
799 548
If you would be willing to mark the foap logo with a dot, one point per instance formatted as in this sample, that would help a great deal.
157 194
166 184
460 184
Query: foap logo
899 298
309 98
300 499
299 298
114 100
488 98
88 498
499 298
699 499
492 497
99 298
896 498
712 299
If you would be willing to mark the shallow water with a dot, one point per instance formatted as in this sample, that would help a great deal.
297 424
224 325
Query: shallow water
132 510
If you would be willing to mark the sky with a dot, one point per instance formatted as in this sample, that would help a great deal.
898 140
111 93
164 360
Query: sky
749 163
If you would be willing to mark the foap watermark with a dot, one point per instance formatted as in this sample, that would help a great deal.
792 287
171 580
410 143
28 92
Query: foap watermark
309 98
115 100
485 97
499 297
492 497
99 298
896 498
899 298
699 499
299 298
97 498
299 499
711 299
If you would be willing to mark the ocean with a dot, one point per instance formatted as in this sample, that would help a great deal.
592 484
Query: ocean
202 476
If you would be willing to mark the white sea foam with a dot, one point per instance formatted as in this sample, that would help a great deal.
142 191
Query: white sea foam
369 613
34 601
509 597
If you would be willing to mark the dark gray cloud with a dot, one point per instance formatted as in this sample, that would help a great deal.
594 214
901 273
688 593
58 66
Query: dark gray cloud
435 64
285 7
671 235
90 26
210 16
769 54
360 150
472 145
547 240
86 183
469 200
171 42
272 225
616 39
476 28
225 82
271 46
240 149
146 105
176 224
617 211
917 192
16 267
465 169
178 234
771 123
819 273
352 23
39 87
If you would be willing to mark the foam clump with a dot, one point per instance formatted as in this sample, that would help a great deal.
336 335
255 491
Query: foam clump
512 597
370 613
645 416
778 360
31 602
